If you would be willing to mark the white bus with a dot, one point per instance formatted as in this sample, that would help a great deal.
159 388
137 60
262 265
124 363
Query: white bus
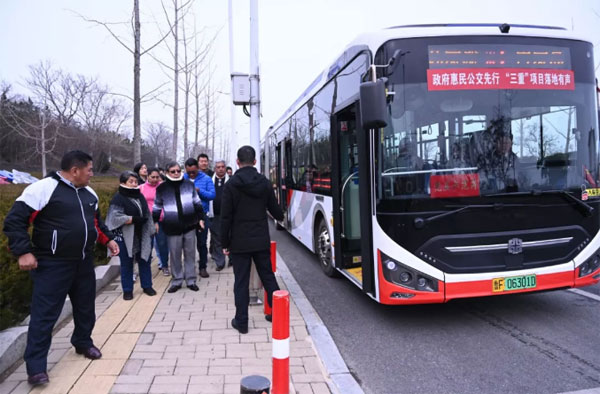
436 162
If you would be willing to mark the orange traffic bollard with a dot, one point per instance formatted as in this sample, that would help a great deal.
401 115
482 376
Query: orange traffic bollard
281 342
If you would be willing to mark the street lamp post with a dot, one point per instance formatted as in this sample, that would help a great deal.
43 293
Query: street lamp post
254 83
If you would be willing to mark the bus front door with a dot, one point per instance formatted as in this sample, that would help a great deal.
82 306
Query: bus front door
284 172
346 196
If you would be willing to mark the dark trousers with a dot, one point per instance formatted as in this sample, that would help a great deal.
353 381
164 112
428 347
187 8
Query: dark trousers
216 251
241 270
162 247
127 269
52 282
201 237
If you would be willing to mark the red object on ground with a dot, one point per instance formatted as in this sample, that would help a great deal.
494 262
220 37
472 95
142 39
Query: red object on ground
267 307
281 342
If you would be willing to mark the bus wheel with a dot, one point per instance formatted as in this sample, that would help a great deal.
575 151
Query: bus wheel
324 250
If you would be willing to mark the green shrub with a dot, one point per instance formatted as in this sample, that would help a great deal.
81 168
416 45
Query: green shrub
15 285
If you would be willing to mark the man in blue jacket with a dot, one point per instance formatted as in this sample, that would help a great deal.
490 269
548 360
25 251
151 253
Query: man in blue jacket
206 190
60 255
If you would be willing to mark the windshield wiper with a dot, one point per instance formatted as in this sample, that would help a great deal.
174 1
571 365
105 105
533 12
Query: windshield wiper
420 222
584 208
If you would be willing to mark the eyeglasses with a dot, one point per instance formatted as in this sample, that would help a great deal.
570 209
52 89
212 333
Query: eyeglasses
174 171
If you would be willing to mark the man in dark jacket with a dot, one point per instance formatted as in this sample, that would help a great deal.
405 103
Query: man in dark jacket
178 199
245 231
60 255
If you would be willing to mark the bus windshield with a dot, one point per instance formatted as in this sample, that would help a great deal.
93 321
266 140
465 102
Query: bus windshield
487 118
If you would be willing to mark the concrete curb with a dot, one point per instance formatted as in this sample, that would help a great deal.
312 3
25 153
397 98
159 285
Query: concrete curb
14 339
342 381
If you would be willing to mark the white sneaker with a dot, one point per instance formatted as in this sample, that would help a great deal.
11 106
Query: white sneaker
134 277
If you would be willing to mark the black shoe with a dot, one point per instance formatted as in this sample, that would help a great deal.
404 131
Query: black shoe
269 318
203 273
38 378
230 264
173 288
193 287
240 329
220 268
150 291
128 295
93 353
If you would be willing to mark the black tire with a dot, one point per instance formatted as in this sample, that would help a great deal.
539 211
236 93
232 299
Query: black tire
323 250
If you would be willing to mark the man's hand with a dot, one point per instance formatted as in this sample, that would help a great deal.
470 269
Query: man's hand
27 262
226 252
113 247
202 224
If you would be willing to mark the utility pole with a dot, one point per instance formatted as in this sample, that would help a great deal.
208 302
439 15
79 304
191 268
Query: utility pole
254 83
234 135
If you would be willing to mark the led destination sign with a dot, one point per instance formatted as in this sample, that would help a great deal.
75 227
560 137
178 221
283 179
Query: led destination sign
477 66
498 56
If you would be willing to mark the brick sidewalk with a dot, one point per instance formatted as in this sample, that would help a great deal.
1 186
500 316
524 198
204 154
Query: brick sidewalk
174 343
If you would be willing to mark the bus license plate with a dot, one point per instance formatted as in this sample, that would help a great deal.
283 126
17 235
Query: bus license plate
514 283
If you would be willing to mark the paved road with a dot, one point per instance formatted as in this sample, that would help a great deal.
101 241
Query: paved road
535 343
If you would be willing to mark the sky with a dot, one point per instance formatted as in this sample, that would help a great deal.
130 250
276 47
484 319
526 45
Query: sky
297 40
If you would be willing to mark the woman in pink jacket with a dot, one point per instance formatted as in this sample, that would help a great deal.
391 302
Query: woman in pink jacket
148 189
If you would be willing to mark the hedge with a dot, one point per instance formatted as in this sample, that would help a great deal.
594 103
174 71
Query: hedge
15 285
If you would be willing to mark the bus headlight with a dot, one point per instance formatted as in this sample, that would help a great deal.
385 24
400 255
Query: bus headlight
590 265
407 277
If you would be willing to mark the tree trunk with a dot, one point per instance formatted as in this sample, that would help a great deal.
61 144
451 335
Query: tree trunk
137 132
197 97
175 83
214 132
186 93
43 145
207 116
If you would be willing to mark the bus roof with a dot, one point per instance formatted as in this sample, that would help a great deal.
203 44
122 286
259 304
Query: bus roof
373 40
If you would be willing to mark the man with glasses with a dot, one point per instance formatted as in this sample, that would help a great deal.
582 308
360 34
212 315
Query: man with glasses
183 213
206 191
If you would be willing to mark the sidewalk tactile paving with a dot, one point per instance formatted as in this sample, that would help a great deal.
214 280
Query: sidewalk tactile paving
174 343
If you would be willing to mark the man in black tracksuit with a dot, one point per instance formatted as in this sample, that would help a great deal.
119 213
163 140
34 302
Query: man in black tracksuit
60 255
245 231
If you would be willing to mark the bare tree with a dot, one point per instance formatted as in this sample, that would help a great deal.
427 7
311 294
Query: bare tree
191 66
41 129
62 92
102 115
158 139
57 98
137 53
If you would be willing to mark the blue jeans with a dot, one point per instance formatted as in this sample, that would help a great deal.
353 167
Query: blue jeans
162 247
201 237
127 269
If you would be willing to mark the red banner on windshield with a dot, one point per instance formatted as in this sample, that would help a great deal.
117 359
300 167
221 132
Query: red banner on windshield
499 78
459 185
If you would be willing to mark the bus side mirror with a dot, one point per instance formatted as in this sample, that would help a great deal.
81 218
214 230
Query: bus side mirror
373 105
